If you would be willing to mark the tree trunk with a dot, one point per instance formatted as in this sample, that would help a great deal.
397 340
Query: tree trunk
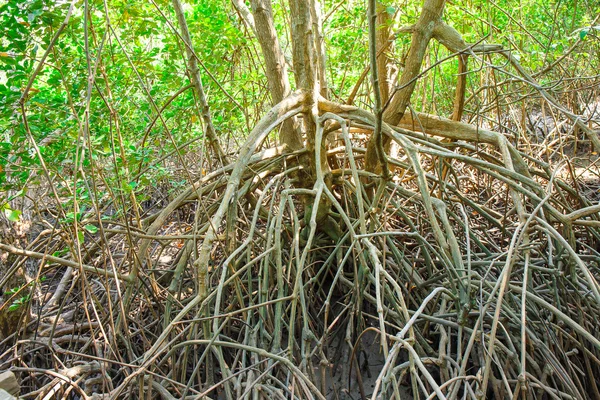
384 46
378 80
422 34
320 55
461 86
305 68
245 14
275 68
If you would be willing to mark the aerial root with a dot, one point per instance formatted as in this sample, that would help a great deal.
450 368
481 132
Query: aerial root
455 289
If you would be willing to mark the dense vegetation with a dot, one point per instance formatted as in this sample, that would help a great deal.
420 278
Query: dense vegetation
300 199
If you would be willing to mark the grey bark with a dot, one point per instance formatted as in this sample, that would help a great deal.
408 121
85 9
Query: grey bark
422 33
306 70
320 54
275 67
242 9
384 46
377 80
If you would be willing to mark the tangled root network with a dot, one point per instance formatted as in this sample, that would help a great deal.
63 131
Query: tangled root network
469 271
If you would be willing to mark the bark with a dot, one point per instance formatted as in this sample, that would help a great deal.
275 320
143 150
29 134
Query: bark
194 71
275 67
384 46
304 52
378 81
245 14
461 86
422 33
449 37
303 48
455 130
305 67
427 123
266 34
320 55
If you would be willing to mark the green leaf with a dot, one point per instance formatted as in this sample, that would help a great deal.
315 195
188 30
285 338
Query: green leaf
18 303
12 215
80 237
12 291
91 228
20 193
70 217
60 253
